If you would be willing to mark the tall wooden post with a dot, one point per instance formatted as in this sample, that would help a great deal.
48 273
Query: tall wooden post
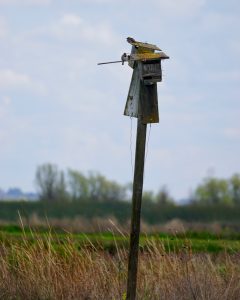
142 103
136 207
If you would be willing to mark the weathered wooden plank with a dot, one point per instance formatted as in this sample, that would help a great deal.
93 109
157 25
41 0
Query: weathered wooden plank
131 107
136 210
149 103
148 56
147 94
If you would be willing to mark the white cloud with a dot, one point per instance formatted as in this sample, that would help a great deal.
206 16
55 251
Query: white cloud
181 7
10 79
6 100
232 133
3 106
73 27
3 27
71 19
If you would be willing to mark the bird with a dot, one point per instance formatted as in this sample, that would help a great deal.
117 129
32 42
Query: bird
130 40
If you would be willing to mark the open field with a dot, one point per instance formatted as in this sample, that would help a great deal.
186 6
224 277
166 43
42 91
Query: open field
43 264
110 242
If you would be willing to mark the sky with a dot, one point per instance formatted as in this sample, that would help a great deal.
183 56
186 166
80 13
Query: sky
57 106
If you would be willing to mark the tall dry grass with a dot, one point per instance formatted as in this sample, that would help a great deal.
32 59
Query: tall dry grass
97 224
46 270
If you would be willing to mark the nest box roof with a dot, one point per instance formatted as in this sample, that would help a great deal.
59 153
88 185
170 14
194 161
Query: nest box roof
142 45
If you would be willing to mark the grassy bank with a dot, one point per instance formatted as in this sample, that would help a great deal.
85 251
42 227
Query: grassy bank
194 242
46 265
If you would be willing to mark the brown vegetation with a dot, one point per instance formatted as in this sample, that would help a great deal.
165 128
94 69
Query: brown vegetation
111 224
41 270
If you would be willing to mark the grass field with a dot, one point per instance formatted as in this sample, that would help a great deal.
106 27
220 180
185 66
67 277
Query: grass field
44 264
108 241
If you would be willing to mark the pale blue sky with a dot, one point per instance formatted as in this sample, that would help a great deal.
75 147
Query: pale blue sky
58 106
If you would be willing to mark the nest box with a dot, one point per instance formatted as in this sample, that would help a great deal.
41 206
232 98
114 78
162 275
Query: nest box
145 60
151 71
142 100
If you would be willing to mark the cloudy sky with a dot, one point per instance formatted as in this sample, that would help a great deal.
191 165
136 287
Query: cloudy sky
58 106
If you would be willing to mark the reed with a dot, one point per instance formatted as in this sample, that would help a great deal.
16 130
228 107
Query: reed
43 270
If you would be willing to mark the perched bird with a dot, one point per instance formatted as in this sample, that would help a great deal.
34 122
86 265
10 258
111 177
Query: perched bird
130 40
123 58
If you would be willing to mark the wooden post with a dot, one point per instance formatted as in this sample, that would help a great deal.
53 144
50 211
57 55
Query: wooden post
142 103
136 208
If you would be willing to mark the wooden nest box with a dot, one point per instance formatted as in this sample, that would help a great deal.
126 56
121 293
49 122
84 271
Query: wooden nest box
142 100
145 60
150 69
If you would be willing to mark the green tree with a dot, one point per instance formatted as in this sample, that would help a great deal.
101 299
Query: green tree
101 189
94 187
234 188
163 197
61 188
213 191
78 185
148 197
50 182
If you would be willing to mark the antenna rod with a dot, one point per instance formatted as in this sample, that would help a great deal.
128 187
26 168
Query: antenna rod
110 62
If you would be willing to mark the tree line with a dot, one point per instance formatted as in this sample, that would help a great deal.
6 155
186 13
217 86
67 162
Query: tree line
55 185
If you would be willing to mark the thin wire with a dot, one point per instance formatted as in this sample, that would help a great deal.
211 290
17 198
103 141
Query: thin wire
131 144
146 155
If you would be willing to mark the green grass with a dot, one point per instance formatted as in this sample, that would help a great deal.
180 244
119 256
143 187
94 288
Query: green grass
188 242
